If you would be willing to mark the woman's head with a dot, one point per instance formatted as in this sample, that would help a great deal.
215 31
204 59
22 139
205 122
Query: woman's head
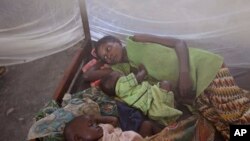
108 83
109 49
82 128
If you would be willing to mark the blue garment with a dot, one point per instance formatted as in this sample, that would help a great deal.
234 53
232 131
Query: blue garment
129 117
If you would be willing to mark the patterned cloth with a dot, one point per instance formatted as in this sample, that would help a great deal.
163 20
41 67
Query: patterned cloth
194 128
224 103
53 124
107 105
51 120
49 108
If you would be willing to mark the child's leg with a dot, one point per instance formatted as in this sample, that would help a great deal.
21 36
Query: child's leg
157 127
149 128
3 70
146 129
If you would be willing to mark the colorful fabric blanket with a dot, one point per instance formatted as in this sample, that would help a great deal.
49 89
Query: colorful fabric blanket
50 121
194 128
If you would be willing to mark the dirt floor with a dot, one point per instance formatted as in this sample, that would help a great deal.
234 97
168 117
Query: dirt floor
25 89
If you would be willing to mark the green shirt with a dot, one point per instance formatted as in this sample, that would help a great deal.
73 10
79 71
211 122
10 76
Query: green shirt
162 63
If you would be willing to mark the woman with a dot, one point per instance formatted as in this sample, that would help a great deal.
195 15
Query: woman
194 73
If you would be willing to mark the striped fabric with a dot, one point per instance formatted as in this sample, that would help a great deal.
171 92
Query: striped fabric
224 103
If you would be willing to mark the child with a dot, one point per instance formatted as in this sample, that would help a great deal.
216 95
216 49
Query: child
93 128
157 102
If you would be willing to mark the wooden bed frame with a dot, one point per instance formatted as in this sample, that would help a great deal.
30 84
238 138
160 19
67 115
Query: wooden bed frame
73 72
72 80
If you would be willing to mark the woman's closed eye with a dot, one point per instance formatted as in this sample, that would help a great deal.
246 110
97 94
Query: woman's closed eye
94 124
105 57
108 49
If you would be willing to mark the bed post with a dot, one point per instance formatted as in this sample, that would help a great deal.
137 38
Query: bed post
85 23
81 56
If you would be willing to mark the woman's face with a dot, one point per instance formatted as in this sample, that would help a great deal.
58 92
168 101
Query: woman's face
110 52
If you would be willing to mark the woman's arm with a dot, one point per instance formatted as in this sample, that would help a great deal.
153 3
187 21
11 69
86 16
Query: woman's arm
95 72
107 119
165 41
185 83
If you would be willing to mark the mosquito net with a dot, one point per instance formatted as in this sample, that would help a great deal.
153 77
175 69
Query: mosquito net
31 29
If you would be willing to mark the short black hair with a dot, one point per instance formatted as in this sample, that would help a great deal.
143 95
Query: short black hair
105 40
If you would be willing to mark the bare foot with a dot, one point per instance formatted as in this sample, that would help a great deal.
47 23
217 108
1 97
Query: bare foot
3 70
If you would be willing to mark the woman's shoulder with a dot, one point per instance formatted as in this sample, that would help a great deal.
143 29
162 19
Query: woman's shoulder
203 52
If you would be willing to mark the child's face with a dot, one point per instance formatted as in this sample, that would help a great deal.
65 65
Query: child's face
110 52
88 129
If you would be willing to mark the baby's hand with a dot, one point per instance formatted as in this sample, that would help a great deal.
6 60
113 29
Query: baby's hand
105 66
107 120
113 121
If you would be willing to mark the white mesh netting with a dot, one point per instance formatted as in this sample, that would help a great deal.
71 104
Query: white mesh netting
32 29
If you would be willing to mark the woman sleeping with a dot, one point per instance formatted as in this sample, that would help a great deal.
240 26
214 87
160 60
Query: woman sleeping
197 75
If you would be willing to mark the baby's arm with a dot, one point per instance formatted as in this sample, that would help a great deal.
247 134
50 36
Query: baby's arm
107 119
96 72
141 74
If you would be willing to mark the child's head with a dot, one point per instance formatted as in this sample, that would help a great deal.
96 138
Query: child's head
82 128
108 83
109 49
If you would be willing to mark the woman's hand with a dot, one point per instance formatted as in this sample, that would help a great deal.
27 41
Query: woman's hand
185 84
105 66
165 41
96 71
142 38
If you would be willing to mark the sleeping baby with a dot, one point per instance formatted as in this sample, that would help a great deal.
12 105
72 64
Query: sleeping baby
155 101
